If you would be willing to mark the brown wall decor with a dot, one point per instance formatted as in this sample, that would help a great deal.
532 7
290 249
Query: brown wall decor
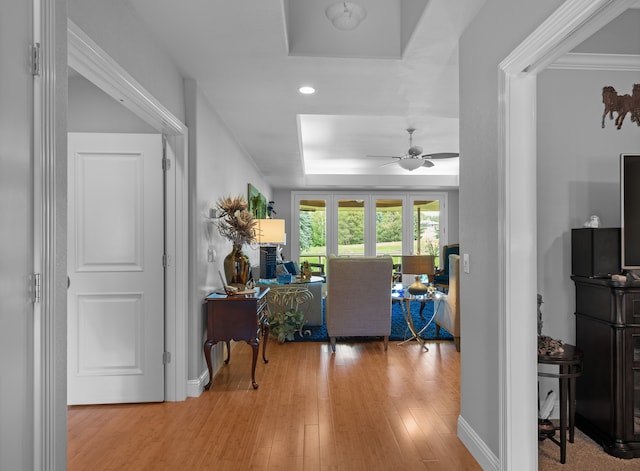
621 104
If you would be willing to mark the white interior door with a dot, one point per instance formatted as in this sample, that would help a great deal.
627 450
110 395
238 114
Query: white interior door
115 265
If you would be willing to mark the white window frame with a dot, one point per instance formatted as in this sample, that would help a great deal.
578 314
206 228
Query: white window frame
369 198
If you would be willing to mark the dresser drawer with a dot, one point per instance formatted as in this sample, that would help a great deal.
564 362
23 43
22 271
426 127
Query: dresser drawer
631 307
596 302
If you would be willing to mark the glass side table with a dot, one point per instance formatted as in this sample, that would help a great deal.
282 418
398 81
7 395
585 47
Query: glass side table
404 298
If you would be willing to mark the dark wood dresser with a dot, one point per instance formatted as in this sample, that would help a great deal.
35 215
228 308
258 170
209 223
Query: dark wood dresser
608 392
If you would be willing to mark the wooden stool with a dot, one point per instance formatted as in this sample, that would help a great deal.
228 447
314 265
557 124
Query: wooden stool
570 367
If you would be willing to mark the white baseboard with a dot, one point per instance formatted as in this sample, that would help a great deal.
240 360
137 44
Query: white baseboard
195 387
478 449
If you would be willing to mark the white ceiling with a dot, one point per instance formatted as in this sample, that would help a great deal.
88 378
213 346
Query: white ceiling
398 69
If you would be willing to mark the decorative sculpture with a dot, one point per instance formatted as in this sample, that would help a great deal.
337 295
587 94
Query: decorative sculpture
621 105
306 271
594 221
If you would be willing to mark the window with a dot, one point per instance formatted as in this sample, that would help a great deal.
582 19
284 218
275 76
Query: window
388 227
351 227
361 223
312 230
426 227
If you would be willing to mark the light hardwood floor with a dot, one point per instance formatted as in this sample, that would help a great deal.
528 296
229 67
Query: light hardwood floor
358 409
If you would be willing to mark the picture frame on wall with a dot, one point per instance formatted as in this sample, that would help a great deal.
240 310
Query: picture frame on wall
257 203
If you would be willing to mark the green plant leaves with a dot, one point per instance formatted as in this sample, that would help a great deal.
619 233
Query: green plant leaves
285 324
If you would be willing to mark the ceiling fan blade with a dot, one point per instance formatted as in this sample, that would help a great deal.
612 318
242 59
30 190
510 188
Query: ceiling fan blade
386 156
389 163
428 163
441 155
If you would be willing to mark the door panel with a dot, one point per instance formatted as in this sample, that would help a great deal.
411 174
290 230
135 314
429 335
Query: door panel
115 249
110 202
388 226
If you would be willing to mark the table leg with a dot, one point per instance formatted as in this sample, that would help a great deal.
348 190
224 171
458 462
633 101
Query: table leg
563 415
435 310
265 338
207 355
572 405
406 311
226 362
254 345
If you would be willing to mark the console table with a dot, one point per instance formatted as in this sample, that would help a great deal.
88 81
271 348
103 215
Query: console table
240 317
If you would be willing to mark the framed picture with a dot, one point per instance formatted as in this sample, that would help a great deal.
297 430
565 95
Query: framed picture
257 203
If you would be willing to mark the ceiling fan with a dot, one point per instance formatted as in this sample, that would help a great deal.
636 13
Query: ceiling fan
414 158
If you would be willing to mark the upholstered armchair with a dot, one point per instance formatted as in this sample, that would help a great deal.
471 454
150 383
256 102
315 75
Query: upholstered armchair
448 316
358 299
441 276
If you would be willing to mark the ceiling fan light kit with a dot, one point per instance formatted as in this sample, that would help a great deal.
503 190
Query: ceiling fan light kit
410 163
345 16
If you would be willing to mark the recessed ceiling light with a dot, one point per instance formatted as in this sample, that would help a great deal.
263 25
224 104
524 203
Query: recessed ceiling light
307 90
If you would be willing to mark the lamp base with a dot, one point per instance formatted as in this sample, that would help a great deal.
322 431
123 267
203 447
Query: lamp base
417 288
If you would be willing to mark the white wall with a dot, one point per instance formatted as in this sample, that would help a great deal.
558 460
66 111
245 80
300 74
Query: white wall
453 216
499 27
16 235
116 28
92 110
218 168
578 175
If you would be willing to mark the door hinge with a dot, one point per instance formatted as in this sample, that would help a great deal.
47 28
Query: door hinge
35 59
165 260
166 358
35 286
166 164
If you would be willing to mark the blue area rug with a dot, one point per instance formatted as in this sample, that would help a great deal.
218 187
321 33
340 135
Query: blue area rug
399 329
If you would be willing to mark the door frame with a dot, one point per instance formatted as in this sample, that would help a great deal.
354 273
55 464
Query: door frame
573 22
49 104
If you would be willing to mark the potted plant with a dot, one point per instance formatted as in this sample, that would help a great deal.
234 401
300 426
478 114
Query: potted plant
285 324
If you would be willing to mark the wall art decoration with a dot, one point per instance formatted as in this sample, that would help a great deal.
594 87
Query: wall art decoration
257 203
621 105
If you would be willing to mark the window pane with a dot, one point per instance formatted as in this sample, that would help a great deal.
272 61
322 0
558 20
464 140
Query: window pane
426 228
351 227
313 231
389 228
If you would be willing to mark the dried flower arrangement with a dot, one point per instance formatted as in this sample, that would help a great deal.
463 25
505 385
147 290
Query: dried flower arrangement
236 223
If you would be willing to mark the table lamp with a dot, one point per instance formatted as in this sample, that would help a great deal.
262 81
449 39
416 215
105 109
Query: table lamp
418 265
270 234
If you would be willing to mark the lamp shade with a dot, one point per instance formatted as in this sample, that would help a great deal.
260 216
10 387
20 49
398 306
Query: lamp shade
418 264
271 231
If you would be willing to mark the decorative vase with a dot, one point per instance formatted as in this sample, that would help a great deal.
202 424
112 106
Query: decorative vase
236 267
417 288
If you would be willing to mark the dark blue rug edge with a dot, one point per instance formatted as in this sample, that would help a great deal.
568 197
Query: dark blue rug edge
399 329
